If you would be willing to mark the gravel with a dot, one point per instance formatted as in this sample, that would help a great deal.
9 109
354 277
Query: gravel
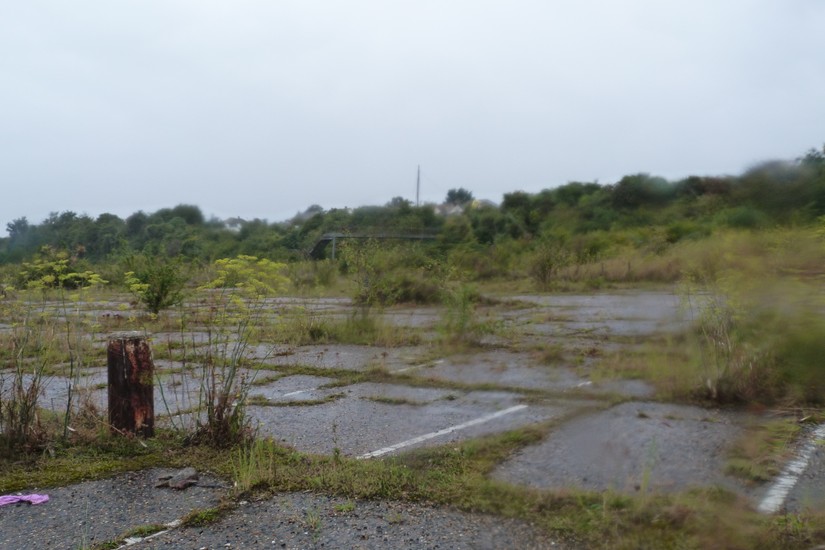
88 513
94 512
310 521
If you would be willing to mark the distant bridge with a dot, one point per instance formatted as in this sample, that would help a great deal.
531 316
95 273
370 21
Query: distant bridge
327 238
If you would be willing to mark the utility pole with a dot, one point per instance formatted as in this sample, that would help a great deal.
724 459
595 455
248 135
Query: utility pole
418 186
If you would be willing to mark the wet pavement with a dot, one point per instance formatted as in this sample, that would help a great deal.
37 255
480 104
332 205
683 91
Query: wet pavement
92 512
368 417
632 447
430 399
107 512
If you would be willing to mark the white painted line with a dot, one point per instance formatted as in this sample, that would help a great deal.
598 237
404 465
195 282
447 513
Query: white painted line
131 541
776 495
299 392
421 366
445 431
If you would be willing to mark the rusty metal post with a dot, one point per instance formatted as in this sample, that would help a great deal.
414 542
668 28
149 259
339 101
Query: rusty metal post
131 384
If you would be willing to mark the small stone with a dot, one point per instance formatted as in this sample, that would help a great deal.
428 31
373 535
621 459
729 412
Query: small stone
180 480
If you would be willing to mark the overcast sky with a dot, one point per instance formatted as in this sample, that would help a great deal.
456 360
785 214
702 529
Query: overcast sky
259 109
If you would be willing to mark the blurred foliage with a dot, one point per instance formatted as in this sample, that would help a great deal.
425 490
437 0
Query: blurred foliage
613 232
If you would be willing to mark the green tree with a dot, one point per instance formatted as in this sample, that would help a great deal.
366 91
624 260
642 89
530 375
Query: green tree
458 197
400 204
571 193
191 214
487 223
641 190
136 225
107 237
21 237
518 207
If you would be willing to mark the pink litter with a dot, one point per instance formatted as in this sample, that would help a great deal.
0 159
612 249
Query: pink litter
31 499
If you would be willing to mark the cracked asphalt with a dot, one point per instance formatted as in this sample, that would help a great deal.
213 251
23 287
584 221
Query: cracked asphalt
633 446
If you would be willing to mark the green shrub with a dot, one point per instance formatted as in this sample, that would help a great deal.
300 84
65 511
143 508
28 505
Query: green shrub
545 263
459 322
798 355
761 345
679 230
745 217
157 283
312 274
399 288
381 277
480 262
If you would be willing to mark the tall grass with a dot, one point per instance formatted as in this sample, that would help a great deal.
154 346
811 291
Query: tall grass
302 326
796 253
459 321
457 475
761 340
30 352
48 331
237 305
751 341
757 304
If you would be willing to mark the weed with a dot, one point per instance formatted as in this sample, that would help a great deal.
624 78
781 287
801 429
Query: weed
311 274
312 520
253 464
155 282
547 260
385 400
551 354
303 326
379 281
237 304
202 517
261 401
345 507
760 342
758 455
43 333
394 518
458 322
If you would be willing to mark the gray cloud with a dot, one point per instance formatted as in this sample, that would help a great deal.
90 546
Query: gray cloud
260 108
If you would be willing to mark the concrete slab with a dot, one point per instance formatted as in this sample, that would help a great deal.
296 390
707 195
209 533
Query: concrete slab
356 425
631 447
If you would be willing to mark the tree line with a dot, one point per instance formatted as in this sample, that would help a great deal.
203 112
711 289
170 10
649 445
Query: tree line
770 194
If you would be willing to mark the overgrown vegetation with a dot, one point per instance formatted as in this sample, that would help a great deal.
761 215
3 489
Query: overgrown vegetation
48 331
236 302
747 254
759 455
570 231
457 475
156 283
